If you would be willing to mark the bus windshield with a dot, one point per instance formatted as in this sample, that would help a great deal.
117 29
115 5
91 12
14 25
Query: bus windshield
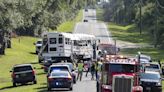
121 68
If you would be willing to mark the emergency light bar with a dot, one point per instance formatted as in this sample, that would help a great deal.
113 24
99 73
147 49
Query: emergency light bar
123 61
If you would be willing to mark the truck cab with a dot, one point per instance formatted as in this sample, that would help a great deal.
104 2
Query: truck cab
119 74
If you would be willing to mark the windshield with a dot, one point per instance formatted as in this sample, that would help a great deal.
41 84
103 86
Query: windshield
149 76
57 74
22 68
39 42
153 66
58 69
122 68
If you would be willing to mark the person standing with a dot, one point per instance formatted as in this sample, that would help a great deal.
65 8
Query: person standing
80 70
89 67
92 70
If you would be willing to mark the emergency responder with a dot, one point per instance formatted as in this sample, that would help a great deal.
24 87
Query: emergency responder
96 69
98 75
80 66
92 70
89 67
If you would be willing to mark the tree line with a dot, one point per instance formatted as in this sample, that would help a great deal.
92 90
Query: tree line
147 14
32 17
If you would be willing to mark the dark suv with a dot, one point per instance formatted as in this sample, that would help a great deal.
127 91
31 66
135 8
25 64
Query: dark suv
22 74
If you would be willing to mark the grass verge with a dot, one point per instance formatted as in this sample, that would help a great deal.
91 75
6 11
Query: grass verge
128 33
68 26
21 52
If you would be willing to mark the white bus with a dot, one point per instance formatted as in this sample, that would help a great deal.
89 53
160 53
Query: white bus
56 46
59 46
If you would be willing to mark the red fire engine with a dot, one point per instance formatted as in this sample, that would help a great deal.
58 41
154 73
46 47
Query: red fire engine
119 74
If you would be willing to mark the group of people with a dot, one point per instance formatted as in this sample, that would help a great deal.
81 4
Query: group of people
92 66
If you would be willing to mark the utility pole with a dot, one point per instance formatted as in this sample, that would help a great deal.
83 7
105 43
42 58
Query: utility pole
140 17
156 26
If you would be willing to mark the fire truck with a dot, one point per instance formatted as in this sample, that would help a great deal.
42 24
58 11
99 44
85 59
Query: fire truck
119 74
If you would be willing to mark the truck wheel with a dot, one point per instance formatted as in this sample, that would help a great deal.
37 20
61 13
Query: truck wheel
49 89
71 89
34 82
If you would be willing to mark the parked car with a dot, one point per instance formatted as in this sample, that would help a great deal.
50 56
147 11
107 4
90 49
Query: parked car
86 10
85 20
151 81
46 64
60 80
153 66
73 73
38 45
23 73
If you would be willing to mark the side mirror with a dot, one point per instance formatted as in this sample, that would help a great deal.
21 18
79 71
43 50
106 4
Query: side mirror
162 79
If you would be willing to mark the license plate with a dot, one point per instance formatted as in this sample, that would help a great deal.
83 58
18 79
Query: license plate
148 88
17 76
58 83
23 75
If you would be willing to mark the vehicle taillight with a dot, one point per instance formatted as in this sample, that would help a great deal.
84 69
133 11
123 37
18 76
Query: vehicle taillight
13 75
33 72
50 79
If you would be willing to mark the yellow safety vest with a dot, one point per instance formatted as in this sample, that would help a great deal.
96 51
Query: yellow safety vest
80 66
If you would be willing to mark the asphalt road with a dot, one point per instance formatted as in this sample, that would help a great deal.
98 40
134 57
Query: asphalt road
93 27
100 31
86 85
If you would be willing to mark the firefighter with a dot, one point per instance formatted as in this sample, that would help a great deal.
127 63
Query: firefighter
80 66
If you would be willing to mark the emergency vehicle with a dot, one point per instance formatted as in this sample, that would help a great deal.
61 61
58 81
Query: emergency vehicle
119 74
59 46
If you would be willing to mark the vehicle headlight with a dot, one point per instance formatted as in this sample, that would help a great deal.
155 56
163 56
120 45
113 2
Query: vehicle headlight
158 84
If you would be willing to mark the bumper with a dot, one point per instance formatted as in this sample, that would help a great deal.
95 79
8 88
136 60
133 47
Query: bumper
24 80
152 89
60 85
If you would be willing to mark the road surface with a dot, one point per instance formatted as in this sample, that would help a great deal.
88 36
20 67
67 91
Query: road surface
93 27
86 85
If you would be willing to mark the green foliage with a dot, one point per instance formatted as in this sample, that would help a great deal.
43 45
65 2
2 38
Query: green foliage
127 12
32 17
69 25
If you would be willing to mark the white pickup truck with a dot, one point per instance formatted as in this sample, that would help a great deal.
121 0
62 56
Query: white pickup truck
38 45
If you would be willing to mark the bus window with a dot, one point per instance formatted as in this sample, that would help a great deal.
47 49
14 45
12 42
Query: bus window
60 40
52 40
52 49
66 40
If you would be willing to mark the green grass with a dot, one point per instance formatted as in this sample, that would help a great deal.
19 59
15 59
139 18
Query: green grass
99 14
68 26
128 33
20 53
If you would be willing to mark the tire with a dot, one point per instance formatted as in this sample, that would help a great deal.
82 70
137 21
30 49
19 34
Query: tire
71 89
34 82
49 89
14 84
